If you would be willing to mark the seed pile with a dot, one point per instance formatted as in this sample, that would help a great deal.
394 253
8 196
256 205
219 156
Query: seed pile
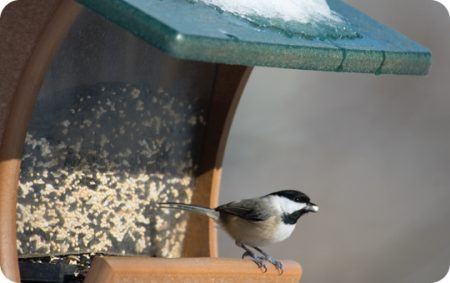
96 161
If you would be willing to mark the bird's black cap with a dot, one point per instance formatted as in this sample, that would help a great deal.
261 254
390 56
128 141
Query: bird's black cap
293 195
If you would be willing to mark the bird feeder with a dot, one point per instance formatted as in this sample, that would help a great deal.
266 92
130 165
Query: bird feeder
111 106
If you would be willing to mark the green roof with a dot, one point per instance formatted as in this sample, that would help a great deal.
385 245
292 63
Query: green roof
194 31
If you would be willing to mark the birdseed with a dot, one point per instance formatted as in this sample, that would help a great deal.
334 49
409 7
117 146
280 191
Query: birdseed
97 160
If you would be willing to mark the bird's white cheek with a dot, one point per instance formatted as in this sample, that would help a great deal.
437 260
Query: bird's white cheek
288 206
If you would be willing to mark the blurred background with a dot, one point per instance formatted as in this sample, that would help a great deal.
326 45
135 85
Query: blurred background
373 152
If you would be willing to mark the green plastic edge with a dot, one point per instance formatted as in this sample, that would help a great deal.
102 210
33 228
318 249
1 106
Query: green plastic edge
179 45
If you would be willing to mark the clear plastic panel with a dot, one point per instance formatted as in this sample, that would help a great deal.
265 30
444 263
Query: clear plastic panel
117 127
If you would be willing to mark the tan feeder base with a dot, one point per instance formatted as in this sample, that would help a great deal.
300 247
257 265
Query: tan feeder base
200 270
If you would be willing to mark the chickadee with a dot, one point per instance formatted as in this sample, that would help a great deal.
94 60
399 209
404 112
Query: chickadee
258 222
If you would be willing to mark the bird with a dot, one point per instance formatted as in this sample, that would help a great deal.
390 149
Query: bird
257 222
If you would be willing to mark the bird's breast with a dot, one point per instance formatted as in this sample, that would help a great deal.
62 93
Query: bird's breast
258 233
283 232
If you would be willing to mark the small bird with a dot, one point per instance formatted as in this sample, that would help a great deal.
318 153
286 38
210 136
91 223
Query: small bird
257 222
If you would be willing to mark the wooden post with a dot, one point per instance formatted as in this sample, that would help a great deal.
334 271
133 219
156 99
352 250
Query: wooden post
229 85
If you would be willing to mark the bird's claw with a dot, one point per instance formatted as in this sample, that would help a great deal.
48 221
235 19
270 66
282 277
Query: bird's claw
258 260
278 264
247 254
260 264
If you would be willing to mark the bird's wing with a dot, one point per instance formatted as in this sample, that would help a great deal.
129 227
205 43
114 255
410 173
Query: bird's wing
246 209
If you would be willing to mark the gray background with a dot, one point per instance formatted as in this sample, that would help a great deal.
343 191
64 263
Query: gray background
373 152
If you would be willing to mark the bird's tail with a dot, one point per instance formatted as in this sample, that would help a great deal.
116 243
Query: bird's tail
211 213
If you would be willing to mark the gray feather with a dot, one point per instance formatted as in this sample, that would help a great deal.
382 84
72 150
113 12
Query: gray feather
211 213
248 209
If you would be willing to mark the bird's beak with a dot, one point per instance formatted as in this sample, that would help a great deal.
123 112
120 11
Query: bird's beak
312 207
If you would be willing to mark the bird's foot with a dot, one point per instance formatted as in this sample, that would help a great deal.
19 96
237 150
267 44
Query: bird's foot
278 265
258 260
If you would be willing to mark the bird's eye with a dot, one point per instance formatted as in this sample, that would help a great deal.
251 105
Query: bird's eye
297 199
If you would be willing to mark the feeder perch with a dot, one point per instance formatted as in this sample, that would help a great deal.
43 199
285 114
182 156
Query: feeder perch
108 109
